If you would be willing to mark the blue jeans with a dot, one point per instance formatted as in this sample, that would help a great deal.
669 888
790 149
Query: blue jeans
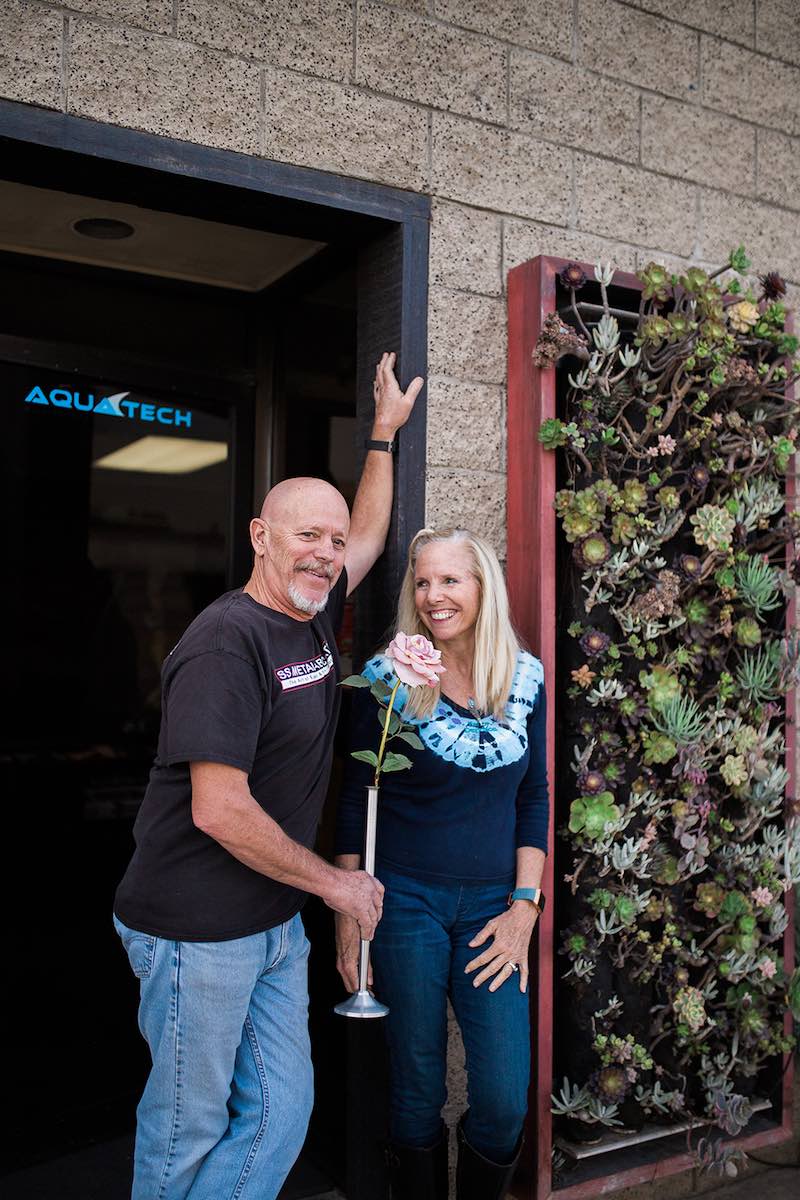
418 955
226 1106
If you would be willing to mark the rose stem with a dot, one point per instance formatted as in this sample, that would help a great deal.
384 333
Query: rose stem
385 731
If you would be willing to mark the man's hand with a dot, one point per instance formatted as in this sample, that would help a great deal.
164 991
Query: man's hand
392 405
358 895
372 508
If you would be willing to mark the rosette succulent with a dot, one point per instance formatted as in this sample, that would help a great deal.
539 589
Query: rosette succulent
713 527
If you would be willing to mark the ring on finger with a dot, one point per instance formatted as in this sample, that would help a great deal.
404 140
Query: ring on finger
514 966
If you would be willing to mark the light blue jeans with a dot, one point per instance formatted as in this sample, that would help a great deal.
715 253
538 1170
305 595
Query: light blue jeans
226 1106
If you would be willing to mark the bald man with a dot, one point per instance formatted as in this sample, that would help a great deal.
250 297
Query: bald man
209 908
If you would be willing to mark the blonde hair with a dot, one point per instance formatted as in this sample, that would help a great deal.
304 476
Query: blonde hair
496 643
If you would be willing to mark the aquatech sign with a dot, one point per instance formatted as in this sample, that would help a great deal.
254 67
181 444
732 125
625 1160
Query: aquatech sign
117 405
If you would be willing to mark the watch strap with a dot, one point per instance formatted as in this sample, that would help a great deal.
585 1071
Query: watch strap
535 895
389 447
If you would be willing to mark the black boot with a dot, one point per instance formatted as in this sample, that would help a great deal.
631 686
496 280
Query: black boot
478 1178
419 1173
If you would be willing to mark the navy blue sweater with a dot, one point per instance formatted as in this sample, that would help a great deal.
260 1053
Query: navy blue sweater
476 792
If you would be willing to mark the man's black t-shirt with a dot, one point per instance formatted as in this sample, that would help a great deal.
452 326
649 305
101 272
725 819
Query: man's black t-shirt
255 689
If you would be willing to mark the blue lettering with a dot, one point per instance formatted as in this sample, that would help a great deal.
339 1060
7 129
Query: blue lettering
112 406
106 406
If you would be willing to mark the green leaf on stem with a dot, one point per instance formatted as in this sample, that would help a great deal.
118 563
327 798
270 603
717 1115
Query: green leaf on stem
395 724
381 690
367 756
395 762
411 739
356 681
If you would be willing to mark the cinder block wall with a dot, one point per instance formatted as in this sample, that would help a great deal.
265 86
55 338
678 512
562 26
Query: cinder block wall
586 128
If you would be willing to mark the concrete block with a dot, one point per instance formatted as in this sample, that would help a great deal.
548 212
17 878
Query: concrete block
337 128
752 86
538 24
474 500
466 336
769 235
693 143
315 36
633 205
162 85
732 18
30 54
466 423
526 239
497 169
778 168
465 248
563 103
649 51
778 28
415 58
154 15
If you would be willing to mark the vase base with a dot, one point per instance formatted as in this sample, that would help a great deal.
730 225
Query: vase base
362 1005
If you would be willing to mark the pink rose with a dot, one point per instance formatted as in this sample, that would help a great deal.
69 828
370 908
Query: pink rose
415 660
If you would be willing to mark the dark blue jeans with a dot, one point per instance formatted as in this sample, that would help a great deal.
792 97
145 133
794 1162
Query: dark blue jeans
418 955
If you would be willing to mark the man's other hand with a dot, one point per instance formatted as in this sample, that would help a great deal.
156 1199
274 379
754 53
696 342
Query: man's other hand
392 405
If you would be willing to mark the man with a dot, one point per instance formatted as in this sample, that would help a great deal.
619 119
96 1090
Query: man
208 910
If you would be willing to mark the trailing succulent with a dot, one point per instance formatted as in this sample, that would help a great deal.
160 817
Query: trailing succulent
675 438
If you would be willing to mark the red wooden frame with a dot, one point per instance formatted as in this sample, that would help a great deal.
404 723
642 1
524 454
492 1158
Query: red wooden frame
531 583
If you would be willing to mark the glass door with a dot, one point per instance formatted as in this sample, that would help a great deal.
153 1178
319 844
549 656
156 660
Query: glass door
119 506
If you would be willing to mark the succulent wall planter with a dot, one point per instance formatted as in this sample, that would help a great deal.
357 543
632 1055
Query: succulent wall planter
659 595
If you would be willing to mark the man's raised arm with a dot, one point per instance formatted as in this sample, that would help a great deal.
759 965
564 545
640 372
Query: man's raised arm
372 507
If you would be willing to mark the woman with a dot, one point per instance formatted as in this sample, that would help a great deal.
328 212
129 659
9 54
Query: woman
461 847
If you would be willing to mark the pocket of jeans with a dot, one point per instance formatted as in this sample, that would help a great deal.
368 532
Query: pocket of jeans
140 949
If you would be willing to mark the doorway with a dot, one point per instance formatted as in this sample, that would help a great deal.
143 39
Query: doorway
147 410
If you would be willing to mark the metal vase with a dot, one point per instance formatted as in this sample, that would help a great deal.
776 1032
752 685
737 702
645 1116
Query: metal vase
362 1003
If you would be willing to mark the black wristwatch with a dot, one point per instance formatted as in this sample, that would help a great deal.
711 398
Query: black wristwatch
389 447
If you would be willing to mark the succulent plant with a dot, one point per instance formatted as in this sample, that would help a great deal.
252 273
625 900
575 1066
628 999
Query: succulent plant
713 527
589 815
757 584
572 276
689 1007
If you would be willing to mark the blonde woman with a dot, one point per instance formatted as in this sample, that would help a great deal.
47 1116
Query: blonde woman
461 847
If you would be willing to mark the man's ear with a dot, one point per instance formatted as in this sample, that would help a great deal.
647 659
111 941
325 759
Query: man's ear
258 536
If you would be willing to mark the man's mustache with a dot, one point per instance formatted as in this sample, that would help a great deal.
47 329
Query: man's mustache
317 568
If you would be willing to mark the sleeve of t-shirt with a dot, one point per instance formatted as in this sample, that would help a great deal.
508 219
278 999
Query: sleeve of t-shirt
214 710
533 806
361 735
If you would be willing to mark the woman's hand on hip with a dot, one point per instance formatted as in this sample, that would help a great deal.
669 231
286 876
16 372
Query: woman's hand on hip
507 954
348 947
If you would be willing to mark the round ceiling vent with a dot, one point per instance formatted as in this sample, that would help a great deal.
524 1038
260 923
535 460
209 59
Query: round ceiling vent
104 229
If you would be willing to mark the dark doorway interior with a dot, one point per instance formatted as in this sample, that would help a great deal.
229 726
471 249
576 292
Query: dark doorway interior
127 520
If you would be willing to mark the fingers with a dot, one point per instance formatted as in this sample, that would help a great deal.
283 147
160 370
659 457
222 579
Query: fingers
484 933
414 389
